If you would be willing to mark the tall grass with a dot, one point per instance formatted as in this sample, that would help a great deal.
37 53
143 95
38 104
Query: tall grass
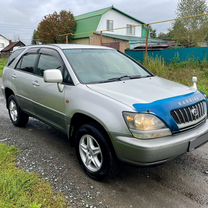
20 189
181 72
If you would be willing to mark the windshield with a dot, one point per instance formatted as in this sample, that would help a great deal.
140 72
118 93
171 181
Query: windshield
100 65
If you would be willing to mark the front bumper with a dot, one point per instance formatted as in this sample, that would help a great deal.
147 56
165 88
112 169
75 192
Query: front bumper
154 151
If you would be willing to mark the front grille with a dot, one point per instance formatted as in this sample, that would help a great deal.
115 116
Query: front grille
190 115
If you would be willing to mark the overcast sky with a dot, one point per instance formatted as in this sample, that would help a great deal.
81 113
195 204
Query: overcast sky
18 18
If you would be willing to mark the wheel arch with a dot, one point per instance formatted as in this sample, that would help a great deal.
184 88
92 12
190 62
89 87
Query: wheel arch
8 93
78 119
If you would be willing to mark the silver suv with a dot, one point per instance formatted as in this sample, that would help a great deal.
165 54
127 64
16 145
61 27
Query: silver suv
111 107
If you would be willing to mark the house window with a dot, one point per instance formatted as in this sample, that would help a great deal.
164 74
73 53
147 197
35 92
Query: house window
1 45
110 25
130 29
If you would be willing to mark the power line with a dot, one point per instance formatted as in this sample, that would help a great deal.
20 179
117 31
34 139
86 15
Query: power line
180 18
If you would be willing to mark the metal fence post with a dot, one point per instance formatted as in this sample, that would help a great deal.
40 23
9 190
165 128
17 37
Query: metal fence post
67 39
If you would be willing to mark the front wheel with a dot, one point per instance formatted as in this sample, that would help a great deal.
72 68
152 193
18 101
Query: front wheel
94 152
17 116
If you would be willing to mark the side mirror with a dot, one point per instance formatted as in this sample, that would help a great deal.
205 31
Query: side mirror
52 76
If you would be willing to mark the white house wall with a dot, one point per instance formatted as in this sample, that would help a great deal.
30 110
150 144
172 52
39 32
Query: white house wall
3 42
119 20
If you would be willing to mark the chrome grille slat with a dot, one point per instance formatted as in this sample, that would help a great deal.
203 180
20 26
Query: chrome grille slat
199 115
187 114
179 120
200 112
202 107
182 116
191 115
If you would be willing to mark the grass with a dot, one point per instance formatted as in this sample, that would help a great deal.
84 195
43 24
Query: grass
22 189
3 62
181 72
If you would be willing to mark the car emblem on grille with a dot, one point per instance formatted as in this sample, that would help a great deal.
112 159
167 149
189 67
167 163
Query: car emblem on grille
195 112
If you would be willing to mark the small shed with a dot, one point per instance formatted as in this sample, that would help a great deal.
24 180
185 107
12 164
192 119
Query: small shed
8 49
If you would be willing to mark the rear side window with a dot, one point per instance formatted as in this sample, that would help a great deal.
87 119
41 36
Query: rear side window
27 63
14 56
48 62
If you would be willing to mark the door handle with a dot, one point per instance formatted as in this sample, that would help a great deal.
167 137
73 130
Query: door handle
35 83
14 76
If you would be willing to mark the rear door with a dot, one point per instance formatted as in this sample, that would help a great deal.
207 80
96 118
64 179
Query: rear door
23 77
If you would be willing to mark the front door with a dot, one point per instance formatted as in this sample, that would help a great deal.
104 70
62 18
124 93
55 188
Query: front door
50 105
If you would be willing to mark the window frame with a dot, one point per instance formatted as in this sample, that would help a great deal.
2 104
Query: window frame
28 52
11 61
130 29
2 45
53 52
37 50
108 24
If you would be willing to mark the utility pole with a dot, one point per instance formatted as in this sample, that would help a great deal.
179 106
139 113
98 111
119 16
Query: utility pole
147 40
101 37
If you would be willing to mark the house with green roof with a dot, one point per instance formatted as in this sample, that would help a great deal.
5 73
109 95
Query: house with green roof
108 25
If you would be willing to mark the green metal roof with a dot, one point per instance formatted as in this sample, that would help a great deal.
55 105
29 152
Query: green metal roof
87 23
94 13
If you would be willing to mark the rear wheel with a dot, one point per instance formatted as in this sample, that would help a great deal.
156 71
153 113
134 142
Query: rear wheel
94 152
17 116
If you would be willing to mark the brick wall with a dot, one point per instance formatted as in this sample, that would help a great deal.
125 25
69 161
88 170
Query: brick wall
95 39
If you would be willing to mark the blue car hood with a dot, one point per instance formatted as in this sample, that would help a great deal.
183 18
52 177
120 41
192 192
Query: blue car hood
163 108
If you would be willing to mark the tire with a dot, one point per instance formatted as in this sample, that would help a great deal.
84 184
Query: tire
17 116
94 152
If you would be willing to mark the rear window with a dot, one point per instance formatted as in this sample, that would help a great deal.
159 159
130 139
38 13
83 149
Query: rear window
14 55
27 62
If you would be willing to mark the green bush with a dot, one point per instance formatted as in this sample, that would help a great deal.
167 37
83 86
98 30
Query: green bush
3 62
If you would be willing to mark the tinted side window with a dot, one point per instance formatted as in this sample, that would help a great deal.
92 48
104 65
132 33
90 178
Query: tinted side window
14 56
52 62
27 63
48 62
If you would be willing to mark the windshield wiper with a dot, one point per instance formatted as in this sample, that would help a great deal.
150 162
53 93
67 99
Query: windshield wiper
124 77
136 77
119 78
139 76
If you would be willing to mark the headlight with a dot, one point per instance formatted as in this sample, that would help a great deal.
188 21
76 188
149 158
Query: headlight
145 126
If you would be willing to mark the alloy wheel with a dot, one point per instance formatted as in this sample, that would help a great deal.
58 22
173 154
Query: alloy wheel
13 110
90 153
